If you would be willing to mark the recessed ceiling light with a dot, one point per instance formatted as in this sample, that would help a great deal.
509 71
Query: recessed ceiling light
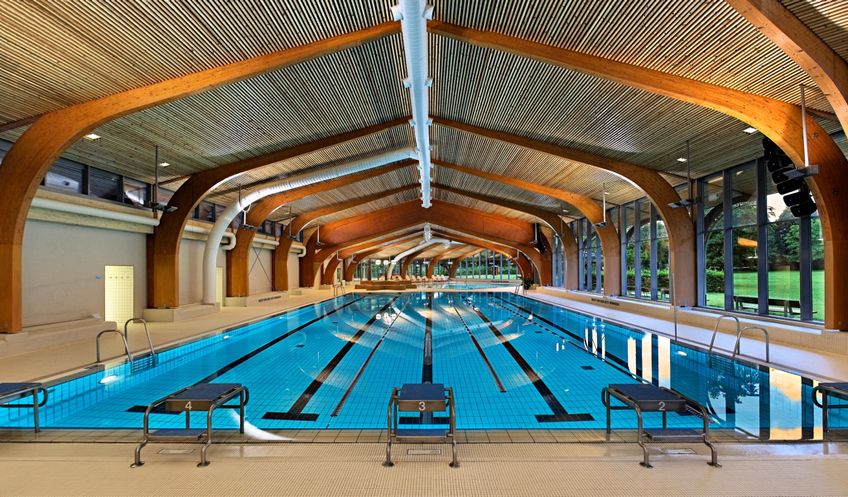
92 136
164 164
750 131
681 159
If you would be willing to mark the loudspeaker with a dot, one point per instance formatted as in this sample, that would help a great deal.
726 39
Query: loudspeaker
796 193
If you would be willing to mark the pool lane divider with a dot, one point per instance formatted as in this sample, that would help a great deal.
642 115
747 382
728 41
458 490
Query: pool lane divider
480 350
295 413
558 410
256 351
355 380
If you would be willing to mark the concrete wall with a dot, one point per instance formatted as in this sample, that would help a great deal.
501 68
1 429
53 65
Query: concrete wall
259 264
63 269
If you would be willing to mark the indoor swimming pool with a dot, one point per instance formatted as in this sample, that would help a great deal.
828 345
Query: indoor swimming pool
513 362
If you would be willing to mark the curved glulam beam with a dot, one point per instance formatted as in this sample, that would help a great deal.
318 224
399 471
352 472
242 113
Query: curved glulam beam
237 259
37 149
164 245
455 265
497 229
610 243
555 222
681 229
441 255
404 267
779 121
541 263
801 44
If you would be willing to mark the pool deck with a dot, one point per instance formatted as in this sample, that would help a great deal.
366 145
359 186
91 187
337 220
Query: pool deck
298 462
489 470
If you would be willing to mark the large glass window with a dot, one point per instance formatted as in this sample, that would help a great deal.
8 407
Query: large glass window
712 208
772 260
135 192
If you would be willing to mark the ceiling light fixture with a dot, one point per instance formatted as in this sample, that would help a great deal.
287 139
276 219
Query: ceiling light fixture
164 164
92 136
686 202
750 131
155 205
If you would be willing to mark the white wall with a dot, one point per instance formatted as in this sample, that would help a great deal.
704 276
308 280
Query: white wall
293 271
259 265
63 268
191 270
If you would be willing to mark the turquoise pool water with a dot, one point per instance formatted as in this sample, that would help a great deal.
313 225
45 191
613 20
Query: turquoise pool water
333 365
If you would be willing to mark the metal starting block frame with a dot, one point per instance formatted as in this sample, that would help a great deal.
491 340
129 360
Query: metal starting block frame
651 398
421 398
201 397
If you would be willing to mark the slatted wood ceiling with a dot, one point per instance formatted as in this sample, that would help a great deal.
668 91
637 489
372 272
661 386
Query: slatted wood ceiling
54 54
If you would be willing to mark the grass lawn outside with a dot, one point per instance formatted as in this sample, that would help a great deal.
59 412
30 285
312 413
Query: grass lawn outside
782 285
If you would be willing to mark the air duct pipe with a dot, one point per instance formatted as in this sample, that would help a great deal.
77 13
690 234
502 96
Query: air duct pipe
397 258
210 254
413 15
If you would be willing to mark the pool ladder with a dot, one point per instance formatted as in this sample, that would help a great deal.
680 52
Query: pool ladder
124 338
739 332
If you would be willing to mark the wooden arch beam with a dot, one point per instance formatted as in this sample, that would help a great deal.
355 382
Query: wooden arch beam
569 241
238 258
801 44
164 245
455 265
608 234
498 229
407 261
37 149
441 255
681 229
528 251
779 121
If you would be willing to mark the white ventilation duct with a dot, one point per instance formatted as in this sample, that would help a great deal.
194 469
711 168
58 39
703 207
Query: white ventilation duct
397 258
210 254
413 15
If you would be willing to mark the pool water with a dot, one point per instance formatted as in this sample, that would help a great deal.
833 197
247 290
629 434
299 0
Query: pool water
513 363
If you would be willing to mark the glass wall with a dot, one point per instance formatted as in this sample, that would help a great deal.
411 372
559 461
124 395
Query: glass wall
754 255
487 265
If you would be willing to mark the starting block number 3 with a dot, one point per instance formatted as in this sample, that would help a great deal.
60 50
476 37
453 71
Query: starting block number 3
422 406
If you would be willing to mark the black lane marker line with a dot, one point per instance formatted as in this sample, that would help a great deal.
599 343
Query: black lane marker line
427 370
296 413
559 412
622 364
480 350
264 347
355 380
426 418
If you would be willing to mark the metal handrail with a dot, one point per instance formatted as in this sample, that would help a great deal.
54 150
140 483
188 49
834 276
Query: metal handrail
123 337
718 322
739 339
146 332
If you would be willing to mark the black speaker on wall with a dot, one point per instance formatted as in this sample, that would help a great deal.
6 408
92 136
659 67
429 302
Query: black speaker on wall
796 193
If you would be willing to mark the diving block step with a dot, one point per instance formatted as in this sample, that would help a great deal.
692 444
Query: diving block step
267 298
180 313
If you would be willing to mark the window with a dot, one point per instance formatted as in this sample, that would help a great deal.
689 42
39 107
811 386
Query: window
66 176
755 256
206 211
135 192
105 185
